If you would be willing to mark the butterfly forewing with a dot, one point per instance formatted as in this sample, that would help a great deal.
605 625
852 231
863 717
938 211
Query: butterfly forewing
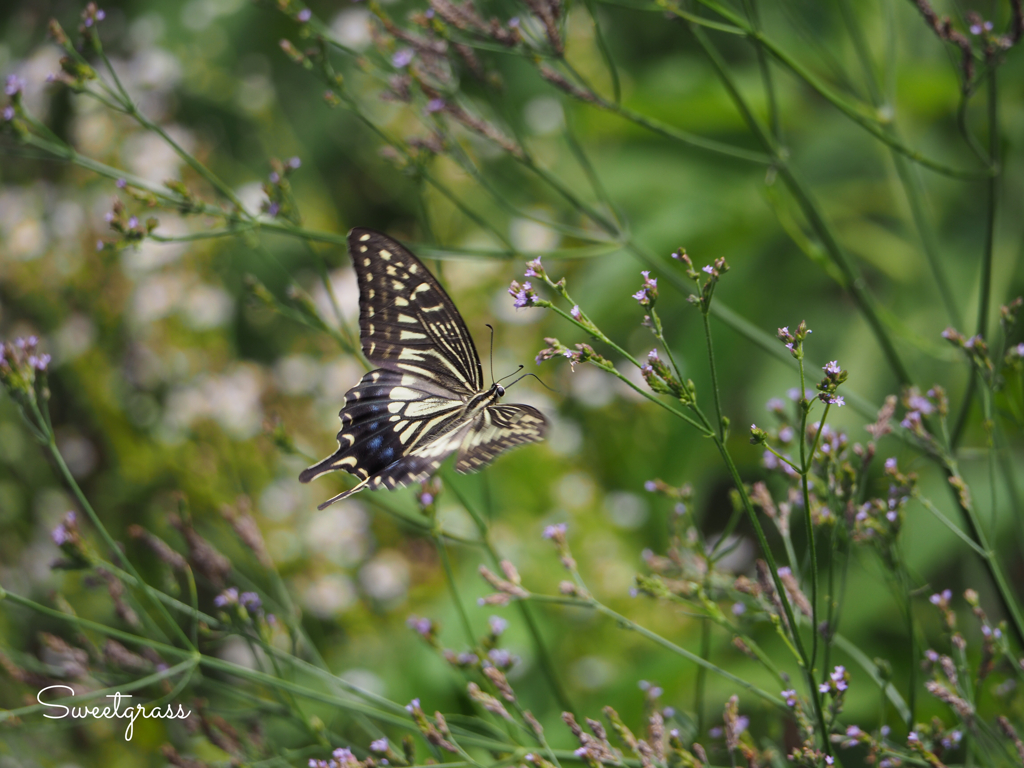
406 320
497 429
426 399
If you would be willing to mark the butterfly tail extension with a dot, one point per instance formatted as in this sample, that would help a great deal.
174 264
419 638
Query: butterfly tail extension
331 463
344 494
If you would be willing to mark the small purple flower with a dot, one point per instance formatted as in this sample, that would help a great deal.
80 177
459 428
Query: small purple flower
295 163
273 209
785 571
228 597
40 363
708 269
250 600
922 404
500 657
837 400
108 216
575 312
14 85
553 531
853 731
430 13
467 659
420 624
912 738
790 697
275 177
497 624
100 245
738 609
890 463
786 434
122 183
514 22
884 731
133 222
8 113
380 745
775 405
304 15
402 57
534 268
650 486
412 706
60 535
435 105
832 368
824 688
829 760
426 499
770 460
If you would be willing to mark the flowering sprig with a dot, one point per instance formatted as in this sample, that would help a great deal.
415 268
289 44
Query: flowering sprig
706 279
23 374
648 293
280 202
794 340
834 376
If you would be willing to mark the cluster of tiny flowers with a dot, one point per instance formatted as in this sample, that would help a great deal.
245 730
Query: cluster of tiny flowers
837 683
13 88
834 376
794 340
66 531
278 200
23 368
423 626
340 758
535 269
523 294
648 292
233 601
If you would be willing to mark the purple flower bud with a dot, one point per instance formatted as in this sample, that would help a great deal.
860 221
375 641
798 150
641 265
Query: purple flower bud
738 609
133 222
250 600
514 22
295 163
402 58
435 105
273 209
14 85
380 745
500 657
121 183
555 530
498 625
430 13
8 113
412 706
275 177
304 15
100 245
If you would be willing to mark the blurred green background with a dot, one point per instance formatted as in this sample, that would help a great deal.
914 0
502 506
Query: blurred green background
166 369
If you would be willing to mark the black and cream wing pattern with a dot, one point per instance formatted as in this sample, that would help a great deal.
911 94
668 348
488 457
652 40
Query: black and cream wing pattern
426 398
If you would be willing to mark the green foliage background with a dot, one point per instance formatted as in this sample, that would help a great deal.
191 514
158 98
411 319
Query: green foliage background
166 367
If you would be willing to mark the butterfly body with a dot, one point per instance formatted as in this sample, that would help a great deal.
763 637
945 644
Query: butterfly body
426 399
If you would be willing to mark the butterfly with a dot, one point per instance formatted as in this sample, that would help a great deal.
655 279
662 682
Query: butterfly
426 399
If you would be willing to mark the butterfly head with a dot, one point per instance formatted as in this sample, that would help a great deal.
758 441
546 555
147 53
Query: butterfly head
499 390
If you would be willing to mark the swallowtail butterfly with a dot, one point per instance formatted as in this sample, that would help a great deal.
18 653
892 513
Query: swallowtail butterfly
426 399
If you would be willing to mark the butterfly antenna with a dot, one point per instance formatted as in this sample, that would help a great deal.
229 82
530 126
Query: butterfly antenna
534 376
492 352
517 370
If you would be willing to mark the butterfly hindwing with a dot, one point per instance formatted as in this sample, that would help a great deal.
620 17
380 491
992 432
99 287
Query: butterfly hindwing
386 416
406 320
497 429
426 399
